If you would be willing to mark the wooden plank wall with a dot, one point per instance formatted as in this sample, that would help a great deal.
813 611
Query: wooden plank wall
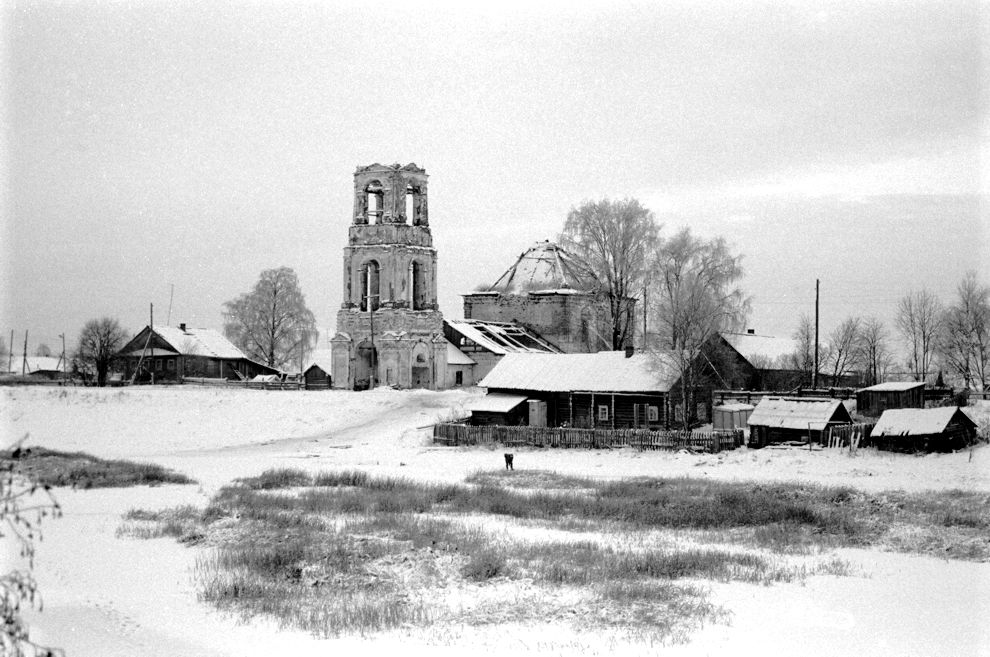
460 434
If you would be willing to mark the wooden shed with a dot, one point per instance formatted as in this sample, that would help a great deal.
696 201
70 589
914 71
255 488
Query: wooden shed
776 420
729 417
500 409
873 401
924 430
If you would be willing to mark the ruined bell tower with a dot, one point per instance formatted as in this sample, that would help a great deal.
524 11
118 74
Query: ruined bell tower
389 328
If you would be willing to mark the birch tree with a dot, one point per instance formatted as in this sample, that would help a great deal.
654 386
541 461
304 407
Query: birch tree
695 281
875 354
844 347
919 320
271 323
612 243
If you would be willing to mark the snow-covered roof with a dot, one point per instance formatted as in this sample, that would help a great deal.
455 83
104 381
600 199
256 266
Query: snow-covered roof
501 337
605 371
734 407
916 421
457 357
894 386
321 358
199 342
544 267
803 414
497 402
34 364
751 345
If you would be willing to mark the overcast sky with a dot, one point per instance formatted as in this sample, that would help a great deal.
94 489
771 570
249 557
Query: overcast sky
152 144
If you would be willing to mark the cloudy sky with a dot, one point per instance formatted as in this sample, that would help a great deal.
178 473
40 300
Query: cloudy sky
158 144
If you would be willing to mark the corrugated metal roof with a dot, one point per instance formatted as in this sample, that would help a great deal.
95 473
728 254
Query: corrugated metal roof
199 342
457 357
497 402
894 386
605 371
751 346
916 421
798 413
501 337
544 266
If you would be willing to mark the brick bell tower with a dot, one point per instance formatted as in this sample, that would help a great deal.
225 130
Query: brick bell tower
389 329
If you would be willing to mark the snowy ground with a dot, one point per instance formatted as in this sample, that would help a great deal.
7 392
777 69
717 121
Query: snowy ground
110 596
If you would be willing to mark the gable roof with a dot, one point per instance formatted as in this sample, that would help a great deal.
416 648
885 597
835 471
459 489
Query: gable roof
320 358
751 346
605 371
918 421
805 414
542 267
501 337
189 342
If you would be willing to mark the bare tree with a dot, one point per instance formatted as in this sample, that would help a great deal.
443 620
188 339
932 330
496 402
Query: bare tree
99 342
43 350
875 354
844 347
271 323
612 242
695 283
964 344
919 320
803 358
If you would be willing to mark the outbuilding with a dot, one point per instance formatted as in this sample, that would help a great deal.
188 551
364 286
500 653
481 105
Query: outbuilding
924 430
776 420
729 417
317 374
873 401
499 409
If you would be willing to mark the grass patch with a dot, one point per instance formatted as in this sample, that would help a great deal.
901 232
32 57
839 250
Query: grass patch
343 552
48 467
184 523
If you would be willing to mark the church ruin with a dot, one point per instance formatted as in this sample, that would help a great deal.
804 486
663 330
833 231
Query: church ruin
389 327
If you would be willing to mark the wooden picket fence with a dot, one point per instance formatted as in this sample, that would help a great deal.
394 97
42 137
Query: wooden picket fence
252 385
848 435
461 434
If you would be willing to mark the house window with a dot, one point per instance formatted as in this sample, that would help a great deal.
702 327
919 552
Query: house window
158 364
603 413
654 414
170 363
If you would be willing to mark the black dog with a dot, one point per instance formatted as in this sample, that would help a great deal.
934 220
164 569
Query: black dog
508 462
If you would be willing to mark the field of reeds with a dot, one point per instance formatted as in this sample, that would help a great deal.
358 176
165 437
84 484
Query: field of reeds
343 552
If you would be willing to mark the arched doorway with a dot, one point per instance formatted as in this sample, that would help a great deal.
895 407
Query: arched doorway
422 370
365 365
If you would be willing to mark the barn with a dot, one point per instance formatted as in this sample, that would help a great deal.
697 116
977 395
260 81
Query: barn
924 430
608 389
776 420
873 401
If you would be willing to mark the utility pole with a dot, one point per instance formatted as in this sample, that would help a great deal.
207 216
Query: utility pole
10 351
814 376
168 320
65 375
24 358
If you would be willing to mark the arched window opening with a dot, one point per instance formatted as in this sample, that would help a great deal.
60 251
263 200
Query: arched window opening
370 297
376 202
410 205
417 287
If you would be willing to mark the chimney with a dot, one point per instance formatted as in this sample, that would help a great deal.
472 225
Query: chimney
629 351
182 327
750 331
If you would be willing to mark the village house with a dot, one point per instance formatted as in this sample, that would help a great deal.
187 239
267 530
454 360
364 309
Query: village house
776 420
169 353
608 389
941 429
